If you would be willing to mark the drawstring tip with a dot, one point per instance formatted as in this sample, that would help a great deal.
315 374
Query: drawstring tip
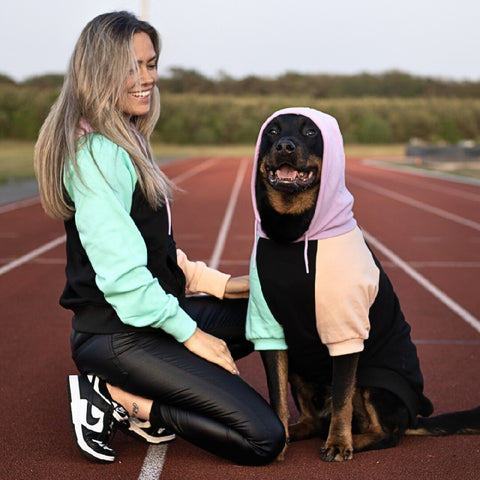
305 255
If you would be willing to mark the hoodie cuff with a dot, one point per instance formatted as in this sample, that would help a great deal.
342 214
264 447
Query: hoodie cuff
261 344
345 348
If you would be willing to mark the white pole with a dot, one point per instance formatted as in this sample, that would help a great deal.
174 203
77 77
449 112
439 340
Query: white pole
143 10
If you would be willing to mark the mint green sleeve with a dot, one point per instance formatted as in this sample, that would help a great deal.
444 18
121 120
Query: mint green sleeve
114 245
261 328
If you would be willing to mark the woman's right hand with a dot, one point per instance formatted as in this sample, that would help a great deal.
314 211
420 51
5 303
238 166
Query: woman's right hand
212 349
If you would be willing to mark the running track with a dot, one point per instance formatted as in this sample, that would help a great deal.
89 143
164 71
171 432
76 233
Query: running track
425 230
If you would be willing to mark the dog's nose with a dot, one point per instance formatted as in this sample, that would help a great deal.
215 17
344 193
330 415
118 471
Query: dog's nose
285 146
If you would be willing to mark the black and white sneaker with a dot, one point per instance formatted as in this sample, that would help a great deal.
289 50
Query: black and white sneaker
94 417
143 430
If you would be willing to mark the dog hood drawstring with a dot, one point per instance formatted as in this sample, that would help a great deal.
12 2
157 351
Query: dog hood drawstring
333 213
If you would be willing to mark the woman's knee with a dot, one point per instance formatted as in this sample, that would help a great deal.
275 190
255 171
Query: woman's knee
268 444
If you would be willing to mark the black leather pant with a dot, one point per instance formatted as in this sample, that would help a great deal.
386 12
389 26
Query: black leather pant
198 400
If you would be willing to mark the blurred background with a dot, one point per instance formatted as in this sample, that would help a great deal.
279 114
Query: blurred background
402 79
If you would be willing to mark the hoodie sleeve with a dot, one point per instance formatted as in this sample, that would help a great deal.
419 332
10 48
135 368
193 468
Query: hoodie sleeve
346 286
261 328
200 278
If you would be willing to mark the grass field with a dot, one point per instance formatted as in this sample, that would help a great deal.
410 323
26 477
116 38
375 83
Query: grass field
16 157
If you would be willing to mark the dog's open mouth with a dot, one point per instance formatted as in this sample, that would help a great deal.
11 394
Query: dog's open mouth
287 177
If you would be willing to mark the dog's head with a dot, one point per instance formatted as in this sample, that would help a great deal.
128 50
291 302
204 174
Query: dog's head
288 175
290 154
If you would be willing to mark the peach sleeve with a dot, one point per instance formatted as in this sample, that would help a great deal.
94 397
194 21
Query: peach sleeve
346 285
201 278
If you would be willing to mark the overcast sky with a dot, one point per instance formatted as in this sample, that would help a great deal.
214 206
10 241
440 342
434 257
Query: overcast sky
439 38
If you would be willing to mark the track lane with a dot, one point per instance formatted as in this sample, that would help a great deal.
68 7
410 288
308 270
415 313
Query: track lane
37 330
445 250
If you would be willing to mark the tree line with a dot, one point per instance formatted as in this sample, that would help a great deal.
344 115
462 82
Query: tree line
389 84
391 107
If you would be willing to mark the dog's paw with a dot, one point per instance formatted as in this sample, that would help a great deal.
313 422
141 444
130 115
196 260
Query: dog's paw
281 455
336 452
301 430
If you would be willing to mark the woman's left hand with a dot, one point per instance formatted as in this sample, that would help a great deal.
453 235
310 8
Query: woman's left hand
212 349
237 287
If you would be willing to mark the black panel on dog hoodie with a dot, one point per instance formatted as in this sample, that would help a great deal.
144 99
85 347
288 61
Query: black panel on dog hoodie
326 294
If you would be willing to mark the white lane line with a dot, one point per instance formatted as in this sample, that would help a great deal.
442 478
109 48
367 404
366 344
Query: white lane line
27 202
436 292
227 219
54 243
447 342
445 176
446 264
153 464
415 203
19 204
31 255
195 170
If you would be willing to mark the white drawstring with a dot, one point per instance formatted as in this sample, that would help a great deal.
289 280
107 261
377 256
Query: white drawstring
169 213
254 254
305 254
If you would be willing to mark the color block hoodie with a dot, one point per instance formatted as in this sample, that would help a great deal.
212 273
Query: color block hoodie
326 294
346 277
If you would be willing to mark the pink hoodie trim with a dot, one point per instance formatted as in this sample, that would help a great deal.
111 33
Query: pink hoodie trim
333 214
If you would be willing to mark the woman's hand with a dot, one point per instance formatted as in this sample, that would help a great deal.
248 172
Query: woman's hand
212 349
237 287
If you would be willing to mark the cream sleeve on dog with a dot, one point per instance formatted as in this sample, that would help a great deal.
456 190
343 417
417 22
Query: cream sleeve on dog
346 285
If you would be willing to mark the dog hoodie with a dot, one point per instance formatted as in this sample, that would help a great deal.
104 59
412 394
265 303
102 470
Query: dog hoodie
326 294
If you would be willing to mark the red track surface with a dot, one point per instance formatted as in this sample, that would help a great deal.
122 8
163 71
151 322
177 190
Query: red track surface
431 224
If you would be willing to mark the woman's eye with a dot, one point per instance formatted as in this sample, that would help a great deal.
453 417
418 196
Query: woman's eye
152 66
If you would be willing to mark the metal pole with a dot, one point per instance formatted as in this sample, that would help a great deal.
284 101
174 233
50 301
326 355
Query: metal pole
144 10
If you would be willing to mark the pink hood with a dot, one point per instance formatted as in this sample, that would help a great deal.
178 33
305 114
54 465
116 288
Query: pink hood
333 214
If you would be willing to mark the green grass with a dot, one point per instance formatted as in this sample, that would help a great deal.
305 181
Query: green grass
168 151
16 160
16 157
171 151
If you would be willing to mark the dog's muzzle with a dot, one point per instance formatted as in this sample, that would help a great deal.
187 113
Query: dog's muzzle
287 178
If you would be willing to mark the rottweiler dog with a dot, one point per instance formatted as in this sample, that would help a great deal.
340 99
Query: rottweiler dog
364 400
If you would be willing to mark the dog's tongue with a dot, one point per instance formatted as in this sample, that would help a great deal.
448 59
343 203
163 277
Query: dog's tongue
286 172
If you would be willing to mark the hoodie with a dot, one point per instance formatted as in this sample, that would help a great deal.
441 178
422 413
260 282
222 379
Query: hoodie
325 294
343 271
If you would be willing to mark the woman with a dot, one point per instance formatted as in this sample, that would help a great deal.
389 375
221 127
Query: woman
151 358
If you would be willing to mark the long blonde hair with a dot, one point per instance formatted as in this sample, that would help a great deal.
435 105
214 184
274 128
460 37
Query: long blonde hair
92 92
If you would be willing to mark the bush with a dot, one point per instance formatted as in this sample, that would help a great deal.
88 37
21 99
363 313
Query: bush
199 118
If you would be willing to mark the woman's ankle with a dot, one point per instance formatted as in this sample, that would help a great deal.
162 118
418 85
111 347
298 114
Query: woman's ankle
135 405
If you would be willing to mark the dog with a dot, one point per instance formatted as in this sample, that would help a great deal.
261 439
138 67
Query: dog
322 311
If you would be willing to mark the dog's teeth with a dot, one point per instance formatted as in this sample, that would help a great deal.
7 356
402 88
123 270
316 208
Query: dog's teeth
286 173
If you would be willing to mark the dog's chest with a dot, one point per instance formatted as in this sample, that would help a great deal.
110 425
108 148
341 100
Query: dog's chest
289 290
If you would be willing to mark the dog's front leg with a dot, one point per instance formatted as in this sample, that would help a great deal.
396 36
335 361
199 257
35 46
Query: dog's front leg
339 444
276 368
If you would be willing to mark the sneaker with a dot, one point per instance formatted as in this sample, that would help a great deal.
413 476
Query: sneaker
94 417
144 430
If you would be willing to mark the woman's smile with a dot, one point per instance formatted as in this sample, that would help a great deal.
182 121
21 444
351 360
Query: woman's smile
139 84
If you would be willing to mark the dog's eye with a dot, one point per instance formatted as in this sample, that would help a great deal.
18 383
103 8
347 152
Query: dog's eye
310 132
273 131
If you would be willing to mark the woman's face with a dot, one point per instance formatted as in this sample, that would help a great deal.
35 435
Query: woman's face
139 85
